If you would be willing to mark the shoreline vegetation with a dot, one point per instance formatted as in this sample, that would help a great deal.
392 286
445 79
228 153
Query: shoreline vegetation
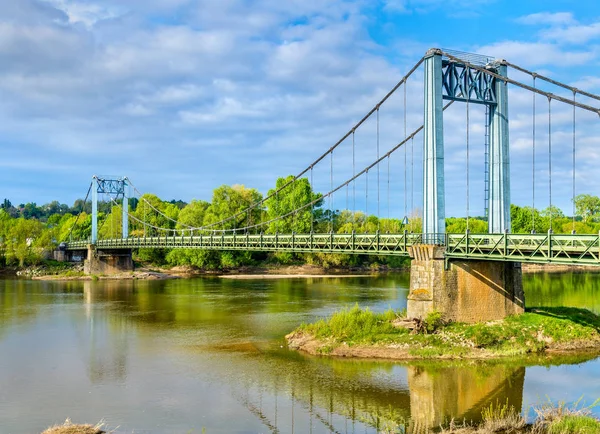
361 333
54 270
497 418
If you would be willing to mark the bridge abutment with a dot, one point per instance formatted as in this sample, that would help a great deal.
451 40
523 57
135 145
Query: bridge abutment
465 290
107 261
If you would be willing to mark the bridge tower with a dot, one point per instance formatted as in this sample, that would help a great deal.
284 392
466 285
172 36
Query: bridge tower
466 291
114 187
451 78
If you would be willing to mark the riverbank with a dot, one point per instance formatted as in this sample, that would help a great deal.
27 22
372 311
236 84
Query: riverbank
52 270
550 419
364 334
71 428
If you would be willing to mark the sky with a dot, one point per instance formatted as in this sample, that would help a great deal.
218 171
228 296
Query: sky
182 96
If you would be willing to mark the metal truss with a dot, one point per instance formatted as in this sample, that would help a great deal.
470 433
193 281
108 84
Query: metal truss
545 248
374 244
463 83
114 187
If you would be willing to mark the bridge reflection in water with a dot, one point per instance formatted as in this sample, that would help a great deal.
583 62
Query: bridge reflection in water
281 390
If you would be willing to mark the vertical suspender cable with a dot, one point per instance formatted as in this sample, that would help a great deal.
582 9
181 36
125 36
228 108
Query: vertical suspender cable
533 167
378 209
366 195
573 199
405 198
331 195
312 205
468 160
412 178
388 187
353 180
550 158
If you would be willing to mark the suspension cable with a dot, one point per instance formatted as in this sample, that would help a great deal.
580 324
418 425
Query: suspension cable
508 80
412 179
354 177
388 187
573 194
312 206
331 197
354 182
82 209
533 165
557 83
339 142
314 201
366 196
378 209
550 158
405 198
468 95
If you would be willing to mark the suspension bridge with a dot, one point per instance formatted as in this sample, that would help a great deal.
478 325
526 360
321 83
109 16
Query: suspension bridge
445 79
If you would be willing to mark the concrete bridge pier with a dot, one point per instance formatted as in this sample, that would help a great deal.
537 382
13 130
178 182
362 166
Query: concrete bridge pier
464 290
107 261
439 395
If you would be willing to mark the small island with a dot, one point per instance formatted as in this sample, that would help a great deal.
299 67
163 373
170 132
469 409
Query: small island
362 333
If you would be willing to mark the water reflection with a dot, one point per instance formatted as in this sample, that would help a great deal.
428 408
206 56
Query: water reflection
179 356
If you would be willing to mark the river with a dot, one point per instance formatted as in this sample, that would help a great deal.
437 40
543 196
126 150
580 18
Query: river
180 356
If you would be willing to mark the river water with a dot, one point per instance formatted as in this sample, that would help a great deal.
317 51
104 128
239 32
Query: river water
183 356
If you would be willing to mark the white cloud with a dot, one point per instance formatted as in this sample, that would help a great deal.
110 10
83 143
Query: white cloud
547 18
86 13
535 54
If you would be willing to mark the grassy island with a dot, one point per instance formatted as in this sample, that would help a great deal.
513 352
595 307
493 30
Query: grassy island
359 332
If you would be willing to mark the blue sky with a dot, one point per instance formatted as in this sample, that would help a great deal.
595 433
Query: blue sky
185 95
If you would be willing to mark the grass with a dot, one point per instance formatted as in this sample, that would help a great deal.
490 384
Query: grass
70 428
550 419
537 330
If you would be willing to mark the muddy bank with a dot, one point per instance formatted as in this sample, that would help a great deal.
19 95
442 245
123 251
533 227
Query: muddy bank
362 333
131 275
559 268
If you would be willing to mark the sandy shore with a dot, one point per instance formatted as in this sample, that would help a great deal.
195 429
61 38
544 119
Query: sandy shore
289 276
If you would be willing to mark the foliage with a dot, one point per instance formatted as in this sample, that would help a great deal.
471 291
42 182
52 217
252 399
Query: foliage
459 225
299 193
531 332
587 206
229 201
355 325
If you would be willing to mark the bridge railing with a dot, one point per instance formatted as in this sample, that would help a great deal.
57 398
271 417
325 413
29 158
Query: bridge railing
540 248
377 243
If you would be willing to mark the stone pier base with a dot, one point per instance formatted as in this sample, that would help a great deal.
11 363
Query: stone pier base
468 291
108 261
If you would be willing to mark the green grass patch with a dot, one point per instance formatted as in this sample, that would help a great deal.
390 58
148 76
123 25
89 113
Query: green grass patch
575 425
356 325
532 332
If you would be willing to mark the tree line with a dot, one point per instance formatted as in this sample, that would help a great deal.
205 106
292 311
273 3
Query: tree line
28 232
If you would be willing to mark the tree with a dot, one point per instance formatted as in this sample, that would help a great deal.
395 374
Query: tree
192 214
587 206
291 198
149 218
229 201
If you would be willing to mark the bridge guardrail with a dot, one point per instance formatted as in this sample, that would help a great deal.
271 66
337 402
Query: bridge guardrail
536 248
378 243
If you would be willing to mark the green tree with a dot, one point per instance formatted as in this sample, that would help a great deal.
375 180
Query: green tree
192 214
112 224
152 213
26 241
291 198
229 201
587 206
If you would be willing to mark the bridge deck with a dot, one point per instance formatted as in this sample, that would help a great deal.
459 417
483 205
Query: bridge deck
536 248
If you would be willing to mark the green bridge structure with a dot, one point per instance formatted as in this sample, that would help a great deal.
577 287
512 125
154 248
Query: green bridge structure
469 277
